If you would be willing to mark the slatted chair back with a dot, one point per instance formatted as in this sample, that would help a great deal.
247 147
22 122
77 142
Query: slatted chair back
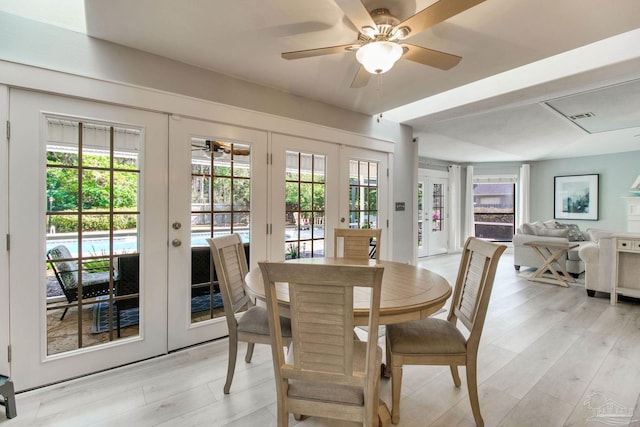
231 266
332 374
357 243
474 284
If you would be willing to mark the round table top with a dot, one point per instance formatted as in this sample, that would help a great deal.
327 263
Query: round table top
408 292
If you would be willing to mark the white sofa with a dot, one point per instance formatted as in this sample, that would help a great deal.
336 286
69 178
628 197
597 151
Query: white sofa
551 231
598 255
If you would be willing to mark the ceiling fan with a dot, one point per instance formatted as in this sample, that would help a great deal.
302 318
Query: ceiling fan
380 38
218 148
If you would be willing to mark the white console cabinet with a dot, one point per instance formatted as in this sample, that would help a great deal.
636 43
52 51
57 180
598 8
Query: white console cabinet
633 214
626 271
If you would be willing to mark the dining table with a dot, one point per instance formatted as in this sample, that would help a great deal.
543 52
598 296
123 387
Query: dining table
408 293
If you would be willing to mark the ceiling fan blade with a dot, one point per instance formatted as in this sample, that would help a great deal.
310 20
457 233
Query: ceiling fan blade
361 79
318 52
357 13
430 57
241 151
436 13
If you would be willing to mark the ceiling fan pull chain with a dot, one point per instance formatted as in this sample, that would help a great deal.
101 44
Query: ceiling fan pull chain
379 98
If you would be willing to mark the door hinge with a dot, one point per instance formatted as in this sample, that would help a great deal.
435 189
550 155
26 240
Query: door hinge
9 353
269 229
269 158
387 172
8 242
387 223
8 130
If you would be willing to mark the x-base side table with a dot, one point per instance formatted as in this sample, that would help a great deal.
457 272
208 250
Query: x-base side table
550 253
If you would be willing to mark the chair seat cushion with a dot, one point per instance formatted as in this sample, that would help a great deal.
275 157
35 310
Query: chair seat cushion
426 336
256 321
333 393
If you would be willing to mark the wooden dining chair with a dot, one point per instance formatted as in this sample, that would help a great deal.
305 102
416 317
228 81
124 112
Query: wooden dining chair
434 341
252 326
328 372
356 243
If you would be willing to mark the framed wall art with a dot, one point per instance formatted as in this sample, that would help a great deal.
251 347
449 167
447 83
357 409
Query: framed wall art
576 197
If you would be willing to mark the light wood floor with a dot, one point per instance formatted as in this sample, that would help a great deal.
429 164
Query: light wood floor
549 356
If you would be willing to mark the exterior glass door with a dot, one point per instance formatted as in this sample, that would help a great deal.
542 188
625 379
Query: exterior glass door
214 189
364 188
422 222
304 175
84 236
436 216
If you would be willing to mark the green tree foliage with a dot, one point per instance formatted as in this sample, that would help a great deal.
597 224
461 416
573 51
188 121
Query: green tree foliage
62 184
62 192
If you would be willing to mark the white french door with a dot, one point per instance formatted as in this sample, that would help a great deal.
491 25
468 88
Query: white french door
304 186
364 192
433 213
217 185
89 179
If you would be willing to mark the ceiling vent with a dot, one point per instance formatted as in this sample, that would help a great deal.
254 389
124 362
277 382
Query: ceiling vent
609 108
582 116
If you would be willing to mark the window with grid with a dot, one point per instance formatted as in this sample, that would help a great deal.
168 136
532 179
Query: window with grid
92 217
220 204
363 194
304 205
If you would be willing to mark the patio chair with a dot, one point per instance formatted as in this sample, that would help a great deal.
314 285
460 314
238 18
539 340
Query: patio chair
434 341
328 372
357 243
251 326
127 286
8 396
65 268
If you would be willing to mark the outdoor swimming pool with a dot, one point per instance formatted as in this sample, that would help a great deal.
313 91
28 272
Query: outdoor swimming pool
97 245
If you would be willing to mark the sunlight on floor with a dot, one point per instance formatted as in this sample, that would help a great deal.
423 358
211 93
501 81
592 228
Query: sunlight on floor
67 14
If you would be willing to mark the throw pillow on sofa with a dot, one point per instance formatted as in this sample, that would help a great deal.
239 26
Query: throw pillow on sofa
573 232
551 232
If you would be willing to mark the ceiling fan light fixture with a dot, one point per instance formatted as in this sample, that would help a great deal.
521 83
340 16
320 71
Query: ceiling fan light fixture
378 57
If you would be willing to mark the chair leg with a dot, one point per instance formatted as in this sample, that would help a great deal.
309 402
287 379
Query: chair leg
249 354
472 384
64 313
118 320
454 374
231 367
396 386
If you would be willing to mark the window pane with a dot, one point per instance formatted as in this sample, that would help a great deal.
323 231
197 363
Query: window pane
494 211
220 204
304 205
92 218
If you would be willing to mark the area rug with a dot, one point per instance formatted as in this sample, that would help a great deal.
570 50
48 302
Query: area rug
130 317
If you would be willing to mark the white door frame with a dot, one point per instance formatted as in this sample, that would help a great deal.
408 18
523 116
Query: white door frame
31 366
4 231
